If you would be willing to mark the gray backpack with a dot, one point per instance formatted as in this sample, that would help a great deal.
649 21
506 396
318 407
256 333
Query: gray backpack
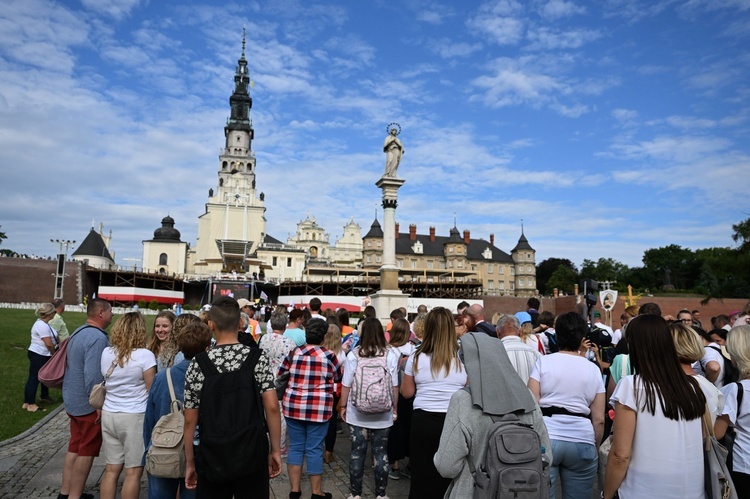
513 467
166 456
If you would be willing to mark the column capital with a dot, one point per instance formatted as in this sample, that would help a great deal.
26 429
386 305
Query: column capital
390 203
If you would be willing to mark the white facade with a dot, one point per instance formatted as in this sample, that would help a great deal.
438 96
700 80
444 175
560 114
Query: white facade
347 251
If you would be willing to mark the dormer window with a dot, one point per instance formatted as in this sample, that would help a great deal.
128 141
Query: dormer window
487 253
418 248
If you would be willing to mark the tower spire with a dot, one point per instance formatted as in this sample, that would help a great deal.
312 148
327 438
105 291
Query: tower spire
240 100
243 41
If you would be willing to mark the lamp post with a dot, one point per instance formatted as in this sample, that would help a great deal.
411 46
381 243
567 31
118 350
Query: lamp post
62 255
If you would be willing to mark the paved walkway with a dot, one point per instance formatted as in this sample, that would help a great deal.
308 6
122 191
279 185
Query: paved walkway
31 467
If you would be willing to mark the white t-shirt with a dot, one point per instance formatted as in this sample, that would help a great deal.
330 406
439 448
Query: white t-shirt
616 337
667 456
405 349
40 330
353 416
714 397
571 382
126 388
742 441
712 355
434 394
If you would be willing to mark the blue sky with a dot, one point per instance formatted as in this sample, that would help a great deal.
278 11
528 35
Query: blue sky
609 127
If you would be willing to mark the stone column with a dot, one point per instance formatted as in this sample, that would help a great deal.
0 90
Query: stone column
389 297
389 270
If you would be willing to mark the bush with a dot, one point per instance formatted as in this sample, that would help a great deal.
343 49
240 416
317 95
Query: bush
153 305
141 303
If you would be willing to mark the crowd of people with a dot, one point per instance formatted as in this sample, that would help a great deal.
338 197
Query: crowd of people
423 395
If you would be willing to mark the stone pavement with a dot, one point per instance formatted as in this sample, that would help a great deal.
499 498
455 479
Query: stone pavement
31 466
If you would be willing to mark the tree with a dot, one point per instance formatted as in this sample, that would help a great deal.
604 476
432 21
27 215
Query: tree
564 279
742 234
606 269
2 236
546 268
672 264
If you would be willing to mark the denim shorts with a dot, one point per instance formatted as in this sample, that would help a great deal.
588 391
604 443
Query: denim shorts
306 441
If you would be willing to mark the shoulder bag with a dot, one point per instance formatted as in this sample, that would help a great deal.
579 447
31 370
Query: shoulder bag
99 392
717 480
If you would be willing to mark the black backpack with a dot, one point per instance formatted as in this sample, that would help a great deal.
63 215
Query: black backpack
233 442
551 342
731 373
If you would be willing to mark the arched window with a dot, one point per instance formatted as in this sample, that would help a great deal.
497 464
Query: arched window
163 259
162 271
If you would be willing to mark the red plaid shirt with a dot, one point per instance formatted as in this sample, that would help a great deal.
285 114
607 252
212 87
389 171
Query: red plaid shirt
313 370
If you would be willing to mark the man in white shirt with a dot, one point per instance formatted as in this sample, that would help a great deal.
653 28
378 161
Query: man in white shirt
522 356
315 305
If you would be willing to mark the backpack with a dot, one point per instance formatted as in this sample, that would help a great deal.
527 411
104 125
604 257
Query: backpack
233 441
731 373
166 456
52 373
513 464
372 387
551 342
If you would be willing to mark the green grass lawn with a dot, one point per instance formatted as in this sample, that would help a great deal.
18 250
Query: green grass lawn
15 337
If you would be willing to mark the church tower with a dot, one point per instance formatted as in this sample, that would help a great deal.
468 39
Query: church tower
234 224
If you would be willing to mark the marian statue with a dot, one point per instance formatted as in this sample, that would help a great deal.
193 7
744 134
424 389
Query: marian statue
393 149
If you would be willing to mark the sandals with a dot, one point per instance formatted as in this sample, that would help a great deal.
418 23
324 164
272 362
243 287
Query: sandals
33 408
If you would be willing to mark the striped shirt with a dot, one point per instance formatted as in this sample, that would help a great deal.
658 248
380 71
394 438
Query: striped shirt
521 355
313 370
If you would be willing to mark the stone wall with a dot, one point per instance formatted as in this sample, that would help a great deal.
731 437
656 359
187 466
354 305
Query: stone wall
669 306
33 280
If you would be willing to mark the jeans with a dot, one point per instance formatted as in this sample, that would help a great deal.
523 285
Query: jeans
575 464
379 439
166 488
306 440
36 362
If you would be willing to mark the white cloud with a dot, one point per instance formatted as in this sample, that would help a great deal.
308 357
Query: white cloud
624 115
114 8
557 9
546 38
511 83
501 22
449 49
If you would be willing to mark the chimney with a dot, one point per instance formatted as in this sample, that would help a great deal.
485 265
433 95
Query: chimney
432 234
397 225
492 239
467 236
413 232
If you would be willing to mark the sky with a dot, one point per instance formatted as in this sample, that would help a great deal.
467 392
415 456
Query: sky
608 127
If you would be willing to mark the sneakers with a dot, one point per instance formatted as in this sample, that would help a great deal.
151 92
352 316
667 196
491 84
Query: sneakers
394 475
382 497
405 472
353 497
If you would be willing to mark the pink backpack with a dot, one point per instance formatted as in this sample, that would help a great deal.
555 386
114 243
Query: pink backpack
372 389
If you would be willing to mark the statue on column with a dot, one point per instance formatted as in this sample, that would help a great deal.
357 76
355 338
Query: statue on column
393 149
